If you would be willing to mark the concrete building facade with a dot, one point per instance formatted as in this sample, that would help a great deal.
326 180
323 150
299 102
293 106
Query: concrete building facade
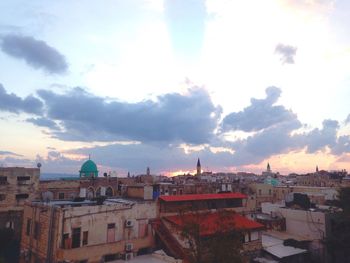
86 231
17 185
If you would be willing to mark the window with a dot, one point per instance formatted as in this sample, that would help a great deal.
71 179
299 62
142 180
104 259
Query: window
110 233
3 180
10 224
254 235
98 192
85 237
143 228
109 191
21 196
90 193
270 192
259 191
36 230
23 178
66 241
76 237
60 195
2 197
110 257
29 225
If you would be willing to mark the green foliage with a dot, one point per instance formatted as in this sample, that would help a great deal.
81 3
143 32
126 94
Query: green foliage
9 247
338 243
222 246
344 200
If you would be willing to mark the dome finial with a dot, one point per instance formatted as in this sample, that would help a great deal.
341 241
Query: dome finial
89 156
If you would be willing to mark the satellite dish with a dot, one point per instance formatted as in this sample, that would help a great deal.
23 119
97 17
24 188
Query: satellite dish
38 165
47 196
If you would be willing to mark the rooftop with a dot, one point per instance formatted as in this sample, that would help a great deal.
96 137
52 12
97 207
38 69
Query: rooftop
82 202
157 257
211 223
199 197
275 247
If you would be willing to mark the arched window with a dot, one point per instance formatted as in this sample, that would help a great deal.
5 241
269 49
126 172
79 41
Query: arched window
90 193
109 191
98 192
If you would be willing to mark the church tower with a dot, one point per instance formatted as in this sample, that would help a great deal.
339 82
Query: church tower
199 169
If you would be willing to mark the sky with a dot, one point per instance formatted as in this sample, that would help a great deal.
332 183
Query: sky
160 83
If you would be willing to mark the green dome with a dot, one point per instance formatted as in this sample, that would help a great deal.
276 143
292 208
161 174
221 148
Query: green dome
88 169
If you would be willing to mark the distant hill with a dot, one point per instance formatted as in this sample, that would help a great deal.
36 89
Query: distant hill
54 176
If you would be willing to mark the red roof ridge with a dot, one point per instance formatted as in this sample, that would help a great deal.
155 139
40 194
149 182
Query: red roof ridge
193 197
209 222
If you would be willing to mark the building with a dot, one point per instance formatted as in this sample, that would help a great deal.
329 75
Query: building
206 208
87 185
322 178
88 169
86 231
172 205
211 223
17 185
260 193
305 227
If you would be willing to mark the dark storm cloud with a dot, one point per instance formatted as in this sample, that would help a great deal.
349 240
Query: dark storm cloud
317 139
186 23
173 117
36 53
259 115
14 161
136 157
273 127
286 52
43 122
12 103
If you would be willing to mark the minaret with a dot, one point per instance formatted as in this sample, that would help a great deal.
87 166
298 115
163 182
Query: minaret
148 171
316 168
268 168
199 169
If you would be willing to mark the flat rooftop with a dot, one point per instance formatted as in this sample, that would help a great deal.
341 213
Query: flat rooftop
275 247
157 257
70 203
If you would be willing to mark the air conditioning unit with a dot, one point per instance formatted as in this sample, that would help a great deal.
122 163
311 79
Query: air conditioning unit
128 256
129 223
129 246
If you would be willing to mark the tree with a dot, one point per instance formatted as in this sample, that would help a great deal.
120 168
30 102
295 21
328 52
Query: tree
212 237
338 243
9 247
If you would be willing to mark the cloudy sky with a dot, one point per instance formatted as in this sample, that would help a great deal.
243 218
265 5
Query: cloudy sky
160 83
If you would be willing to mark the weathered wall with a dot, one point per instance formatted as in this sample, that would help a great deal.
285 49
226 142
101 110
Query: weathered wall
93 219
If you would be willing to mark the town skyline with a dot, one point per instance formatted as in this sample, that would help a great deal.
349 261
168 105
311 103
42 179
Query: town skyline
135 86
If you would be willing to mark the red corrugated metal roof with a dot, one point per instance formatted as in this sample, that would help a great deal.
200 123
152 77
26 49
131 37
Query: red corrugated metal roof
194 197
210 223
